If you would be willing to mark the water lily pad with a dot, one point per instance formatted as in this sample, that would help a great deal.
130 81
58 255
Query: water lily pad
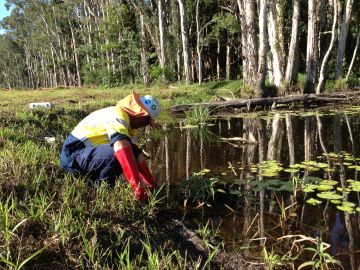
345 190
310 188
325 187
335 201
346 209
358 209
313 201
291 170
329 195
347 164
297 166
269 174
354 185
329 170
329 182
349 204
205 170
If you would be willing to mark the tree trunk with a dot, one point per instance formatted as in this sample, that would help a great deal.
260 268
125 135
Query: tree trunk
144 63
342 38
77 65
337 134
218 70
320 133
274 144
161 35
198 45
228 57
312 54
263 48
275 28
249 46
321 83
290 138
309 138
354 56
185 42
292 63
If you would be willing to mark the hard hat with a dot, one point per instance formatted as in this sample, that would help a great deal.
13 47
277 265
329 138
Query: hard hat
151 105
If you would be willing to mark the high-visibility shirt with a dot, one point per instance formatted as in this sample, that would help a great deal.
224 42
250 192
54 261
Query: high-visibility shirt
105 126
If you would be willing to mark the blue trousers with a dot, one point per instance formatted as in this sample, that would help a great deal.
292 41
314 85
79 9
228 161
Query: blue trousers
98 163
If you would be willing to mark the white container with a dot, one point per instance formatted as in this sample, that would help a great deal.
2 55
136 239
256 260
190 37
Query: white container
34 105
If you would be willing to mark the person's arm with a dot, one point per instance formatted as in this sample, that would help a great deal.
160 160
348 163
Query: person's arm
124 154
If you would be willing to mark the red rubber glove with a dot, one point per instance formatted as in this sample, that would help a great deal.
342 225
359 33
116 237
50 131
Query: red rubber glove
147 176
128 163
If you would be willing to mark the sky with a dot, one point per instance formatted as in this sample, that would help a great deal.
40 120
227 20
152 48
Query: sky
3 12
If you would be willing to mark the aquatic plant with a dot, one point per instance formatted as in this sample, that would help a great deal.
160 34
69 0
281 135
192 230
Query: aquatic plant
320 259
198 116
200 188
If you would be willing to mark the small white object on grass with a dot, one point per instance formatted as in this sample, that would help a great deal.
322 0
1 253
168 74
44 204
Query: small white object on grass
35 105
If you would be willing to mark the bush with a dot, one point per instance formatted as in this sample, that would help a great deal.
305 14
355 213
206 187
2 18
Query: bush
162 74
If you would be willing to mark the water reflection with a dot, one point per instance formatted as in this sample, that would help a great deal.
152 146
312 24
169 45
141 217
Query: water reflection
286 137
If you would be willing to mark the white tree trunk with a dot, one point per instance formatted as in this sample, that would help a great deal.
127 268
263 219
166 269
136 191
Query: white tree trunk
327 55
290 138
273 146
249 45
274 41
161 35
144 63
185 42
198 45
354 56
342 38
218 59
291 67
228 58
312 47
77 65
309 138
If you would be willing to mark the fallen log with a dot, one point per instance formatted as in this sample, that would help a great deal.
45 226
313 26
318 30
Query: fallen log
291 101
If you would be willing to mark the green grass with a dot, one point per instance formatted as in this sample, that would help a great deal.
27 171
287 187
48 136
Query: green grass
47 213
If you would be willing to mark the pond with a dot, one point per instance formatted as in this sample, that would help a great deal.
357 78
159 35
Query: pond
269 169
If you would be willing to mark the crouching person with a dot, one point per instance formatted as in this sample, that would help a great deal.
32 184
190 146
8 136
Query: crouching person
103 145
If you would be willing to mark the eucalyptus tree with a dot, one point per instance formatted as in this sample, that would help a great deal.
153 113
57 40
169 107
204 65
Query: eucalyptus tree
321 82
153 18
185 42
348 5
12 64
291 71
276 17
354 56
250 44
312 50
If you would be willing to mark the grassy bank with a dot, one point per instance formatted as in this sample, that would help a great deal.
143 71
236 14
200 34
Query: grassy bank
50 219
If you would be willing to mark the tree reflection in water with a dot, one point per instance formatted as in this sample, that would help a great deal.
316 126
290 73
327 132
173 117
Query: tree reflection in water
287 138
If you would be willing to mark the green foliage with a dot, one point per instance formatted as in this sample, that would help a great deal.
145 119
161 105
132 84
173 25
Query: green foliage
321 259
159 74
198 116
199 188
272 259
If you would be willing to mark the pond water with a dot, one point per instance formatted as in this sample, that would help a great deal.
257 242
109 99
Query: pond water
252 211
